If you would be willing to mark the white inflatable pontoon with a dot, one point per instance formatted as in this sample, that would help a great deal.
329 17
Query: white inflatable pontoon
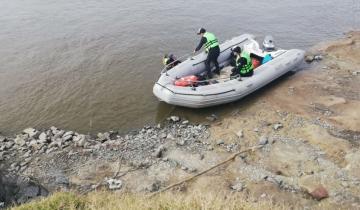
225 89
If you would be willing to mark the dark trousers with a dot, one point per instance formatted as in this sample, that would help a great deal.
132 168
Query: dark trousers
213 54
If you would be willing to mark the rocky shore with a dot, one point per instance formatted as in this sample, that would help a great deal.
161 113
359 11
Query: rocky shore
307 123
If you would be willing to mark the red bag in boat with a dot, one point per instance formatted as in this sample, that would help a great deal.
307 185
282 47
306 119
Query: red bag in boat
187 81
255 63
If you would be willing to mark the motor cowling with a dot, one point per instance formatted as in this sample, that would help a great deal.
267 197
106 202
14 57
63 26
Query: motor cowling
268 43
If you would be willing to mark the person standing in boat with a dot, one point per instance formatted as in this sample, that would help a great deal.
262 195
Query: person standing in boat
212 48
243 64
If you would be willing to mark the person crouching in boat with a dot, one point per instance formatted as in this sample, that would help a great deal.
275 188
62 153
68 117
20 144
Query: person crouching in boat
170 61
243 65
212 49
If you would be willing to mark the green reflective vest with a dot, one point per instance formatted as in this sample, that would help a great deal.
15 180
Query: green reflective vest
211 41
165 61
245 68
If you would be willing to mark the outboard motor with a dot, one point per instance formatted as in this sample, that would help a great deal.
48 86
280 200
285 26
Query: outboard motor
268 43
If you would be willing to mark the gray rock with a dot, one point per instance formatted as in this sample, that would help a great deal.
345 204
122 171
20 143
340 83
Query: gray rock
67 137
58 134
318 57
256 130
2 204
114 184
21 139
163 135
238 187
102 137
79 138
277 126
180 143
263 140
2 147
309 58
2 139
62 180
43 137
354 73
69 133
154 186
175 118
31 132
185 122
9 144
212 118
220 142
159 151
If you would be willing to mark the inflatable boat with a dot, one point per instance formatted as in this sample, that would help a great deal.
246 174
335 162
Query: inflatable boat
224 88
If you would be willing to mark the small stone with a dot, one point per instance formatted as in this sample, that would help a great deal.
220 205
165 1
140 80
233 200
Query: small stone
309 58
318 57
163 135
263 195
256 130
114 184
220 142
165 159
43 137
20 139
170 136
69 133
175 118
9 144
238 187
102 137
240 134
185 122
159 151
184 168
2 139
319 193
210 148
277 126
154 186
263 140
31 132
181 143
67 137
212 118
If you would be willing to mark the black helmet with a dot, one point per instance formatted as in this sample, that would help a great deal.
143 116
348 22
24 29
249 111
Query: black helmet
201 31
236 49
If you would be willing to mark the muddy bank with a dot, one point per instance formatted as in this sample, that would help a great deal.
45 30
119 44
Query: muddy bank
308 124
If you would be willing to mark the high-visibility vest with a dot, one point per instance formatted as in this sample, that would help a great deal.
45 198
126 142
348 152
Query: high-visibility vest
248 66
211 41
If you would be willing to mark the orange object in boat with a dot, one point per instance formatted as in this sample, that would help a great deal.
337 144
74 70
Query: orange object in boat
255 63
187 81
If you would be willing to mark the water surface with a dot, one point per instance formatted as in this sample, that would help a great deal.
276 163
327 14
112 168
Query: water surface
90 65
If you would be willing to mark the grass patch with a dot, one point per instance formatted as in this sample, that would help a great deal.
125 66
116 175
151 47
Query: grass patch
168 201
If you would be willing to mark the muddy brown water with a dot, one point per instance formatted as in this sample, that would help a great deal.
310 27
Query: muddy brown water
90 65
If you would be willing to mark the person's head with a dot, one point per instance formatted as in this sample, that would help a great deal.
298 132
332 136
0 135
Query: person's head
237 50
201 31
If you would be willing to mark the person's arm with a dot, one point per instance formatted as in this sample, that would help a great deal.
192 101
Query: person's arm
201 43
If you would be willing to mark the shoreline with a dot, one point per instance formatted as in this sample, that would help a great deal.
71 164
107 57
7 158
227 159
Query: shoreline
298 121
